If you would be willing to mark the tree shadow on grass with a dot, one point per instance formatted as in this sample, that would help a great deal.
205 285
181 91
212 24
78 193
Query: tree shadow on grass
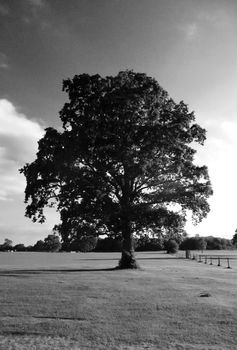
139 258
45 317
25 272
99 259
163 258
23 333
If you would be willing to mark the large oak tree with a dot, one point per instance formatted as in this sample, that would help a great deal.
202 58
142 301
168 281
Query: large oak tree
123 162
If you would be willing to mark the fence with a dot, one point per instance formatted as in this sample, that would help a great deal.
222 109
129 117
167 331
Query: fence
211 259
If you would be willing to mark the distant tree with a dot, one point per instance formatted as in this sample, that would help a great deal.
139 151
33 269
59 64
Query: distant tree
202 244
84 244
216 243
122 164
20 248
39 246
52 243
145 243
234 239
29 248
178 234
171 246
193 243
7 245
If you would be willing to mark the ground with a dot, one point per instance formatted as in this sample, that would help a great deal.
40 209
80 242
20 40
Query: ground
77 301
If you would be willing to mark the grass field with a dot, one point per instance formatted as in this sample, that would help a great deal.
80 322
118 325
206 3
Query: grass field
77 301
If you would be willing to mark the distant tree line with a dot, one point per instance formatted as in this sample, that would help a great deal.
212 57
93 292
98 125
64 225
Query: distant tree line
209 243
50 244
171 244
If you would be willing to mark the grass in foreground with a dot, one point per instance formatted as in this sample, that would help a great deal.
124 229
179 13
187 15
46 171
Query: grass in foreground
158 307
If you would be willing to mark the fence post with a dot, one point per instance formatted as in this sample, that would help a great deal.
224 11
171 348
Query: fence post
188 254
205 259
200 258
210 260
228 262
219 261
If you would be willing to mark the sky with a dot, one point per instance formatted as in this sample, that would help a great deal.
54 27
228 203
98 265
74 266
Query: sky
189 46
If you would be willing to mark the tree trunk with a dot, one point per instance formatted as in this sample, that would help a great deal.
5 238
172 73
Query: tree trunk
127 260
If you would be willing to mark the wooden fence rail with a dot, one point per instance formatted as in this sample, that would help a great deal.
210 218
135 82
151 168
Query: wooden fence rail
212 258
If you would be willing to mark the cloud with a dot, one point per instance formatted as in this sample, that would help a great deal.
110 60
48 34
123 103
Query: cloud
18 145
3 61
217 17
190 31
35 12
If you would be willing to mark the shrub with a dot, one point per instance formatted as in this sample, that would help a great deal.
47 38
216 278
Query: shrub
171 246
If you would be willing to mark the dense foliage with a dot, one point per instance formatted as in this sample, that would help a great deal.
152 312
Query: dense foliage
7 245
171 246
216 243
123 163
114 244
83 244
209 243
234 239
193 243
50 244
146 243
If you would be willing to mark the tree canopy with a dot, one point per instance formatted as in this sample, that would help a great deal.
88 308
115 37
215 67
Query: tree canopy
122 164
7 245
193 243
234 239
